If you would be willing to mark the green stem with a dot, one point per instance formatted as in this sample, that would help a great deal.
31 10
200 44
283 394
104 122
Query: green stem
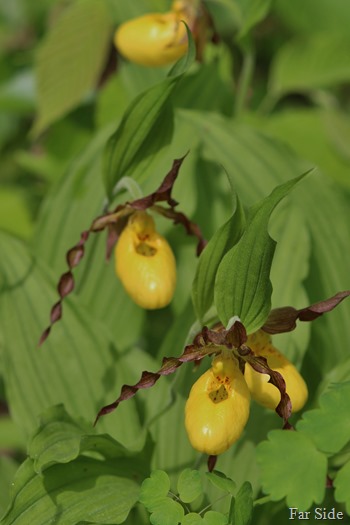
244 80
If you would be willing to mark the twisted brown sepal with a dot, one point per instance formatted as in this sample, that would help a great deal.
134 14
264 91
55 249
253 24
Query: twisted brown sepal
284 319
202 346
66 282
284 408
114 222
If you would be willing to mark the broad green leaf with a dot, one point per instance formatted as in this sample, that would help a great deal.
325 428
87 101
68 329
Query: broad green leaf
318 135
214 518
242 505
242 285
84 490
144 129
224 239
189 485
326 16
258 163
154 489
221 481
57 439
329 426
253 11
315 62
11 436
185 62
8 468
168 512
14 214
81 350
68 210
70 59
341 485
292 468
192 519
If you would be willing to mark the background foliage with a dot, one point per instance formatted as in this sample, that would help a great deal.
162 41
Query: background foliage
269 101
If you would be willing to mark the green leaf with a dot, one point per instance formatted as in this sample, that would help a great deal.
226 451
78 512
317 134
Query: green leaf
242 285
326 16
315 62
192 519
57 440
214 518
168 512
242 505
146 127
185 62
80 348
8 468
70 59
329 426
225 238
341 485
85 489
154 489
292 468
221 481
253 11
14 214
189 485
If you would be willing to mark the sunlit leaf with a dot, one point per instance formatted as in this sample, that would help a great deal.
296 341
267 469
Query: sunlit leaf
242 505
70 59
86 489
341 484
315 62
189 485
221 481
154 489
210 259
242 285
292 468
329 426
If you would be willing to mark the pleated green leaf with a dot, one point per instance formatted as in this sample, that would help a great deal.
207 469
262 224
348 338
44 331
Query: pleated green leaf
70 59
224 239
311 63
242 286
84 490
79 352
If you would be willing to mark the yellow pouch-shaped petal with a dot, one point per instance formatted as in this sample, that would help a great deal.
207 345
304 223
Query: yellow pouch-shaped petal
265 393
145 263
217 409
154 39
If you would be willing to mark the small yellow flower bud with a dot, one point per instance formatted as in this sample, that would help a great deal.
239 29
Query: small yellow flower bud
265 393
145 263
154 39
217 408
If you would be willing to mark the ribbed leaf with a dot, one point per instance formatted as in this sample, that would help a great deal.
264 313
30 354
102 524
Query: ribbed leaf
70 59
80 351
224 239
306 64
243 285
84 490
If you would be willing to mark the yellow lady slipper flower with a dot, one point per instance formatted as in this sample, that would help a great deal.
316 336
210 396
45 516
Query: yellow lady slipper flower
154 39
145 263
265 393
217 409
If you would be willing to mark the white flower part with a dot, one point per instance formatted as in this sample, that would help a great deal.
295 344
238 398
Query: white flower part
232 321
